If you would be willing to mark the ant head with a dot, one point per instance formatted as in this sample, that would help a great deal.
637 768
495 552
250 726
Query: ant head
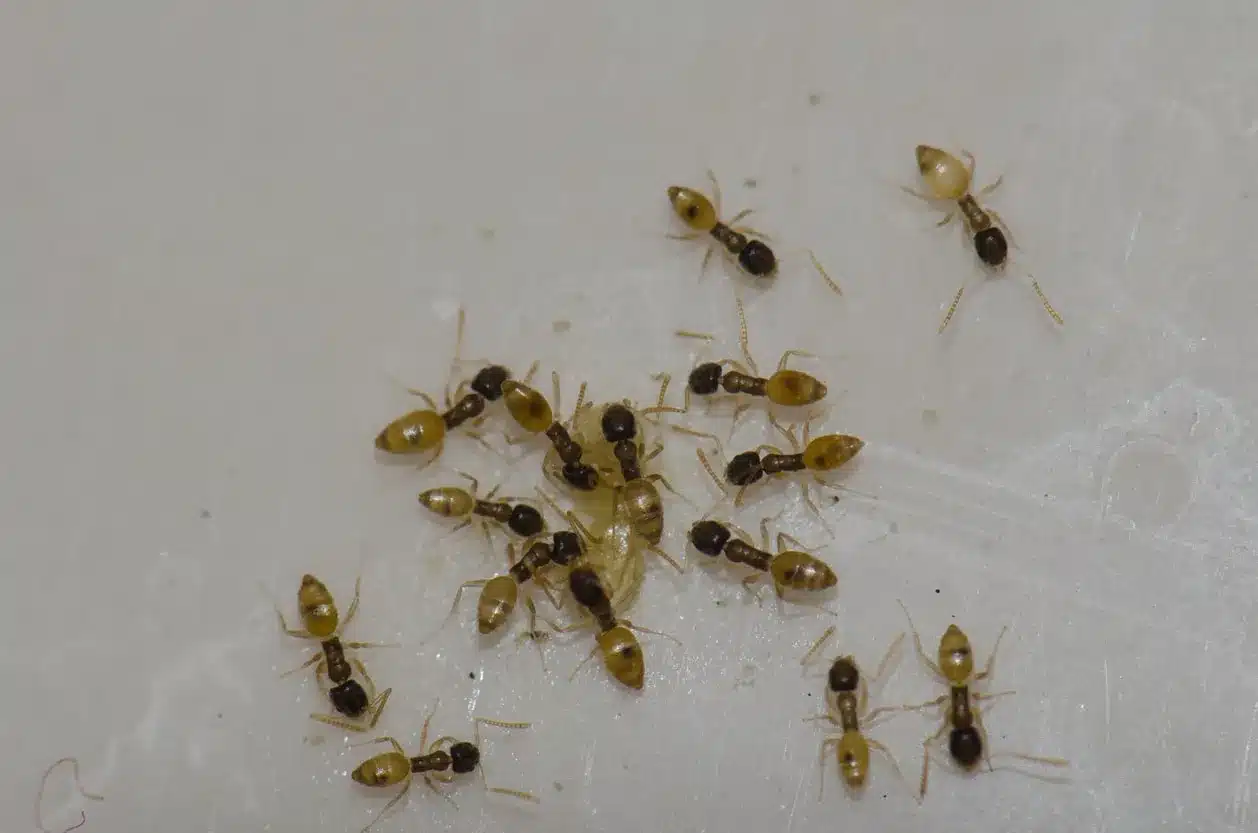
488 381
744 469
992 247
705 379
945 175
694 209
526 521
618 423
844 675
956 657
565 547
710 537
965 746
464 757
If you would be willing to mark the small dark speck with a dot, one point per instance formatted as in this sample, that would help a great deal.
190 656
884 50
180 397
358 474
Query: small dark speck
558 787
625 767
884 795
814 99
893 528
810 694
205 514
220 715
834 499
936 591
751 182
471 675
721 603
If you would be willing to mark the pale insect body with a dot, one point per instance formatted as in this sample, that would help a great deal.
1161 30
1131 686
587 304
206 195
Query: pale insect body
949 179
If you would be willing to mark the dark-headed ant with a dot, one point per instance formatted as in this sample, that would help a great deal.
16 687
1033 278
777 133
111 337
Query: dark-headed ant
533 413
445 758
452 502
947 178
962 721
745 245
789 569
785 387
318 613
847 706
819 454
500 593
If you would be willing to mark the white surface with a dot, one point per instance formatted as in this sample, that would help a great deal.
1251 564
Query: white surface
228 229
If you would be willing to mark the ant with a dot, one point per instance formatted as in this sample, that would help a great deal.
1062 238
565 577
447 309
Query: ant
789 569
425 430
820 454
638 494
319 615
445 758
847 699
452 502
613 548
533 413
961 721
747 246
789 388
500 593
622 654
948 178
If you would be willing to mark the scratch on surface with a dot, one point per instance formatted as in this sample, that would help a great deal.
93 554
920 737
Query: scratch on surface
1105 668
1131 238
587 777
1244 787
799 789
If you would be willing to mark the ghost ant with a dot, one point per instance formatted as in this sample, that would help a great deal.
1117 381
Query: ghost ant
500 593
847 707
748 247
947 178
789 569
819 454
622 654
444 758
452 502
785 387
534 414
422 431
962 720
319 615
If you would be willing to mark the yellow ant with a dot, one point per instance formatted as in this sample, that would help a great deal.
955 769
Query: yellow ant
749 248
947 178
962 721
443 759
318 613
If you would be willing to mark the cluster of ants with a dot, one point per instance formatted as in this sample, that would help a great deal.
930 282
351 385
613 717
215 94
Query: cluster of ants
597 460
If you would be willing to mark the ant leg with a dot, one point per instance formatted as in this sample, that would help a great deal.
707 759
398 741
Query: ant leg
789 353
681 429
952 308
816 264
703 458
743 337
1047 306
755 594
739 410
987 189
746 212
707 258
917 643
812 504
660 407
316 658
302 634
785 432
891 759
631 626
580 402
926 757
672 561
923 197
884 664
577 670
970 165
716 192
738 498
505 724
990 668
817 645
826 743
948 218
